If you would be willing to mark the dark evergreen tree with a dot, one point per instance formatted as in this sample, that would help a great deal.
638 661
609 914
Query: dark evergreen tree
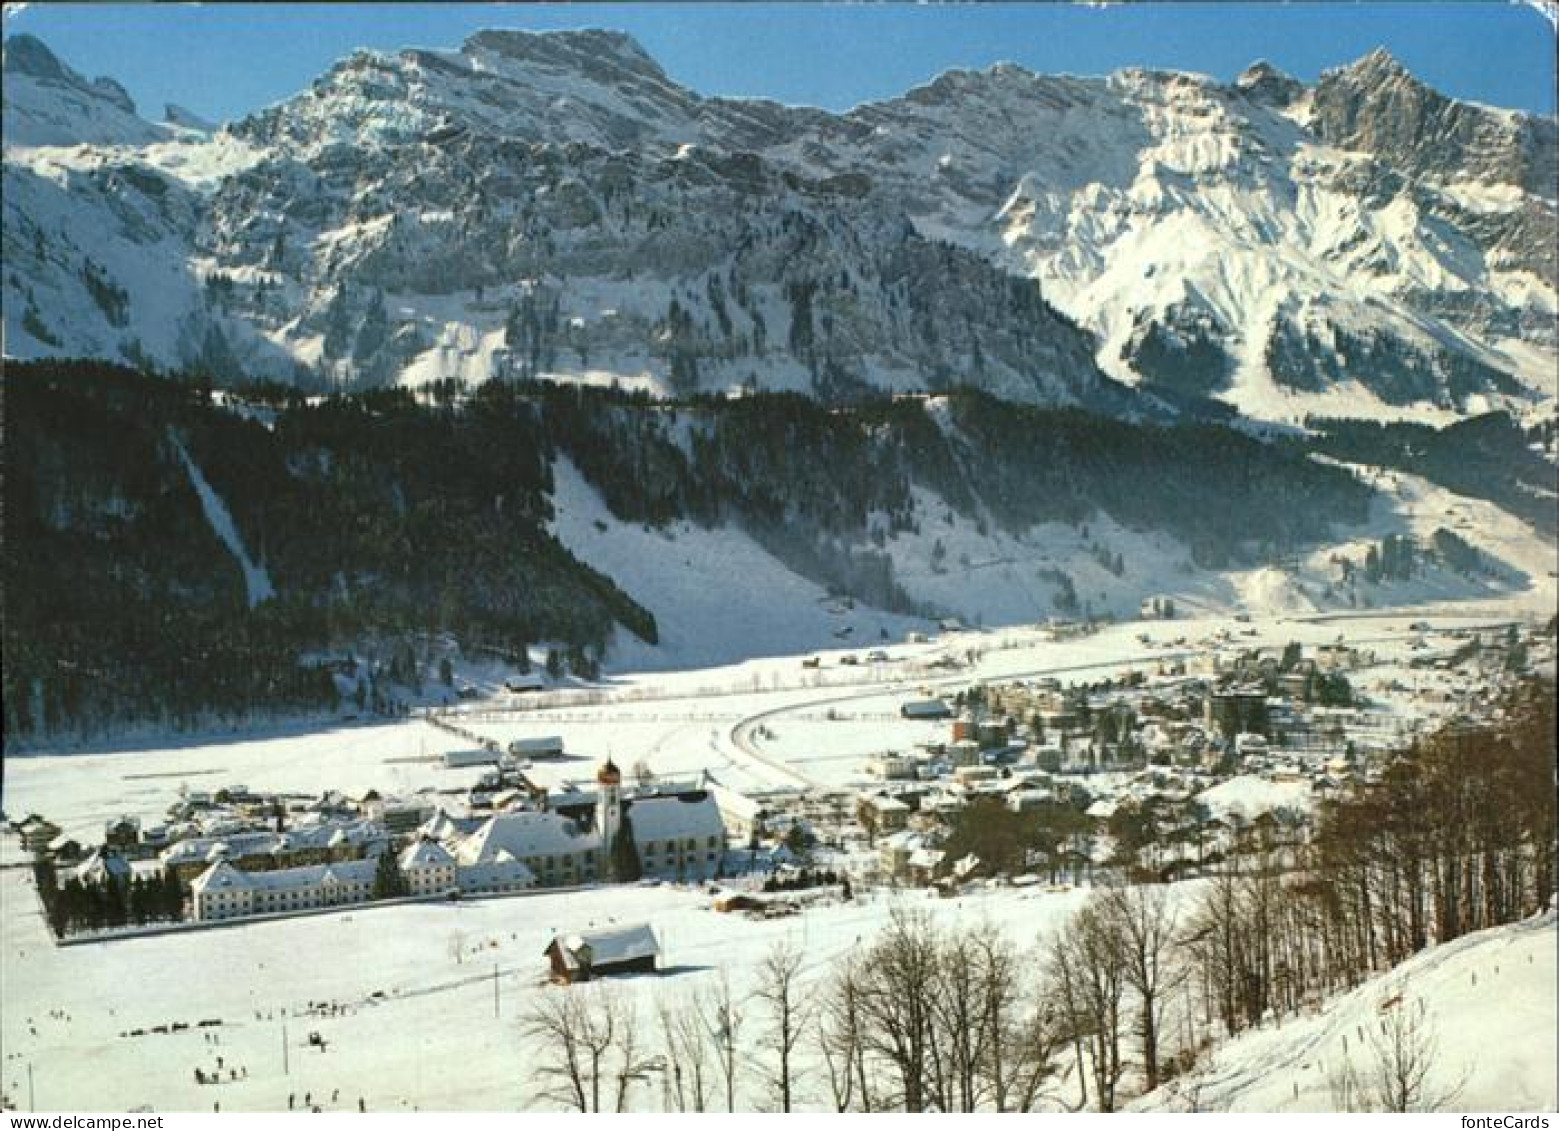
626 865
389 880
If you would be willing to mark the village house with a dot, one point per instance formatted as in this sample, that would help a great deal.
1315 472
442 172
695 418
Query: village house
930 709
123 834
893 767
895 851
428 868
598 954
36 833
925 866
102 867
398 815
883 813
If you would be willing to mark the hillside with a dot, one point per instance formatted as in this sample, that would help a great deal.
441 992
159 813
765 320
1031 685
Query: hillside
1478 1015
171 552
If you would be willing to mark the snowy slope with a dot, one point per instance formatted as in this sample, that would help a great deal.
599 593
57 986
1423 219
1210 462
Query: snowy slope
717 595
1487 1004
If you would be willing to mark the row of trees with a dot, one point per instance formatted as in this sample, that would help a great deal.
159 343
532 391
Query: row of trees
85 905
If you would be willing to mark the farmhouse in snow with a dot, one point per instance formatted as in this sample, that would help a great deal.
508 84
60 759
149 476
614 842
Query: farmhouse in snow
599 954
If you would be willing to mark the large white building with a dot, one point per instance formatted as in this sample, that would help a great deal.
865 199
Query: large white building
681 837
549 848
257 850
678 834
224 891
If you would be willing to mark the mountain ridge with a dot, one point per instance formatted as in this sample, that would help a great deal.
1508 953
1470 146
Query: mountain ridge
1284 248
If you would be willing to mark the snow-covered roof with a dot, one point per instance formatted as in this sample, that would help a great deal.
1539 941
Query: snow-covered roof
258 842
313 875
98 867
624 944
524 835
735 803
1249 796
674 818
502 871
426 854
221 876
441 826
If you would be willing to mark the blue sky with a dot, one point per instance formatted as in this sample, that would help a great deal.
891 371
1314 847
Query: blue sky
225 60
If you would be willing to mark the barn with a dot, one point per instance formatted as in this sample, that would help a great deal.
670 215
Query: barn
600 954
926 709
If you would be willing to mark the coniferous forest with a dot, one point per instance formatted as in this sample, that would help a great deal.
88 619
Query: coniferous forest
383 519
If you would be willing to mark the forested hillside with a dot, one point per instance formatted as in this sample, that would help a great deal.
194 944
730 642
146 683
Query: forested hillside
382 521
1487 457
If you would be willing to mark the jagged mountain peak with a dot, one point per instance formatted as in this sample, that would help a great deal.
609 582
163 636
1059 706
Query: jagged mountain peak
589 49
1267 83
593 86
552 203
48 103
29 55
1376 65
1377 106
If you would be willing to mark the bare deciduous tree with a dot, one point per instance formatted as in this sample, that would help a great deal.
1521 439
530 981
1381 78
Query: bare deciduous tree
686 1044
840 1040
1088 983
898 981
1142 921
788 1013
1404 1054
573 1030
722 1018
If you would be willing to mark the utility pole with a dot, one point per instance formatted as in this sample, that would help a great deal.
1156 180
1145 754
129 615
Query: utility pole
32 1103
495 989
285 1071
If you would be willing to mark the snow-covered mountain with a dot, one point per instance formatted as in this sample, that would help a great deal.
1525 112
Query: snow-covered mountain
48 104
556 204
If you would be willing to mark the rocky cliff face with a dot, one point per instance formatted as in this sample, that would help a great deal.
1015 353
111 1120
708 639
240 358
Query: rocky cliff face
555 205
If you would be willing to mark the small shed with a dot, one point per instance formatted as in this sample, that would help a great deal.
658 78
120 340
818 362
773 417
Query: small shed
926 709
460 759
545 746
597 954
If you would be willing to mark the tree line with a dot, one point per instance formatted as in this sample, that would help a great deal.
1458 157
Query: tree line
90 905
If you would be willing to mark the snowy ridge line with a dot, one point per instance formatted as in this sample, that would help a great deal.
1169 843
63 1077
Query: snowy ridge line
257 583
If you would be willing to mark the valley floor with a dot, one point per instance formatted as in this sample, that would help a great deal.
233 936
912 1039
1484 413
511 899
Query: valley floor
424 1001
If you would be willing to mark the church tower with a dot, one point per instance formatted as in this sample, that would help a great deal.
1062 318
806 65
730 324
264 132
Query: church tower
609 804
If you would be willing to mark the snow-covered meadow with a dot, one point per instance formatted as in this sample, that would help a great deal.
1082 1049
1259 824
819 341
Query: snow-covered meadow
429 997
